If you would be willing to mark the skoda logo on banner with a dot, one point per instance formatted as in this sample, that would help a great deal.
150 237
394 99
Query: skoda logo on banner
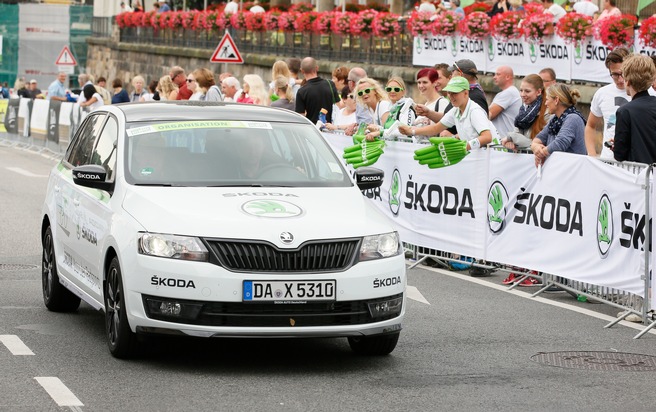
532 52
396 188
605 229
454 46
490 48
419 45
497 199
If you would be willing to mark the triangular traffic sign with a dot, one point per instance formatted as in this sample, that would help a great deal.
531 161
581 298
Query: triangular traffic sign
226 52
66 58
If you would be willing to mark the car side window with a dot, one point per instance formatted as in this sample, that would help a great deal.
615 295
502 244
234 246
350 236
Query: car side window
82 146
104 153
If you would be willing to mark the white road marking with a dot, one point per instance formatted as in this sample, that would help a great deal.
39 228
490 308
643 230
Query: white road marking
24 172
503 288
15 345
415 294
58 391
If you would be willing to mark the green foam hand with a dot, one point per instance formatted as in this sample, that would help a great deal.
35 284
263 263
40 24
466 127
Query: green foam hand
364 153
443 151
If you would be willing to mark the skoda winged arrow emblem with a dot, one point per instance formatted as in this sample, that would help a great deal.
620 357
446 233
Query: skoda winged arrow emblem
286 238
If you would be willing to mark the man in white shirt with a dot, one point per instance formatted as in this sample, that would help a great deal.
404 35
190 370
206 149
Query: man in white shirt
232 7
605 103
586 7
256 8
557 11
230 89
505 105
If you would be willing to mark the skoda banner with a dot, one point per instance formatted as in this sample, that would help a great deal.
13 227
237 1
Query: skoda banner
494 206
584 62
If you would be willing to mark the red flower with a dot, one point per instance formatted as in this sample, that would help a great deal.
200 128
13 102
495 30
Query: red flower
420 23
538 25
386 25
271 20
475 25
616 31
121 20
255 21
286 21
533 7
238 20
342 22
447 23
323 23
574 27
479 6
362 25
505 25
647 32
304 21
301 8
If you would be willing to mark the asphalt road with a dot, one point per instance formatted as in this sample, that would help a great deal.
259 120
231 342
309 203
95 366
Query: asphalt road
468 344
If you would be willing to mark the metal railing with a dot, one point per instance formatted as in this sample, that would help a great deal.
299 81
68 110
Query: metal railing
375 50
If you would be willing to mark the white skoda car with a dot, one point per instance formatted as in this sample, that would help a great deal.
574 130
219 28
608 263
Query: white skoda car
218 220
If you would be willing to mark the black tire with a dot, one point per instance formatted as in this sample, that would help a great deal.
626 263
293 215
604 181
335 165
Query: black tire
378 345
122 342
55 296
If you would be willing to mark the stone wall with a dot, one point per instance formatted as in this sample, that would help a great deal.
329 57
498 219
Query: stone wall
110 58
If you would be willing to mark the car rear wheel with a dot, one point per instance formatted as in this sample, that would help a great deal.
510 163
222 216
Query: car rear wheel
55 296
121 340
378 345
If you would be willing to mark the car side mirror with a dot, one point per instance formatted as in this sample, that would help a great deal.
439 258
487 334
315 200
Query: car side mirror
93 176
369 177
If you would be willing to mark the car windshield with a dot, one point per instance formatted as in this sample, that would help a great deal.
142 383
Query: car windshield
230 153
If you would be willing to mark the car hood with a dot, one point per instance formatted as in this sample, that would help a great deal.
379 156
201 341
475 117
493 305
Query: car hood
256 213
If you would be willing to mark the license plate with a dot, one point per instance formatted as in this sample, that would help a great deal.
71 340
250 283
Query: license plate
288 291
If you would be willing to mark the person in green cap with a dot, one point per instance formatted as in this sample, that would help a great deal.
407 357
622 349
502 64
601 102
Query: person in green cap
467 116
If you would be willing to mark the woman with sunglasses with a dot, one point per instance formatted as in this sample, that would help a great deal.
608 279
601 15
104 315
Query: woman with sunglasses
192 86
565 132
402 111
373 97
344 118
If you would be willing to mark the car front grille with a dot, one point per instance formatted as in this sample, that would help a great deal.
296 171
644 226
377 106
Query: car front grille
240 314
315 256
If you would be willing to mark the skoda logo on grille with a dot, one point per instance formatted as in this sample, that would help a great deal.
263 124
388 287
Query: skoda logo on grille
286 238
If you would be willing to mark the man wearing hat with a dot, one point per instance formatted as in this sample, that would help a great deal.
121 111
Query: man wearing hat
469 119
467 69
34 89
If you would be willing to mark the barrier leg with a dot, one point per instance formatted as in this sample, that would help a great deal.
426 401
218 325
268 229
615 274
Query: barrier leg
418 262
645 330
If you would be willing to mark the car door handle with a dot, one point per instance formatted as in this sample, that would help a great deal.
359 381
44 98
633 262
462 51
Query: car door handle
76 202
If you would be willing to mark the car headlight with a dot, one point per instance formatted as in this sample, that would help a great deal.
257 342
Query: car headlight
172 246
380 246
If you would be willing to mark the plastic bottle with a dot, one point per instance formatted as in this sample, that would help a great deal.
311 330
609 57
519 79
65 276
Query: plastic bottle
321 123
581 298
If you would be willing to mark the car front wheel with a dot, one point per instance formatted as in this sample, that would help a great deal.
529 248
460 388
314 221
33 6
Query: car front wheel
55 296
121 340
378 345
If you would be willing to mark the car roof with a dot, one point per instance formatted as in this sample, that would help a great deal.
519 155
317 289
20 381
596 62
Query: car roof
195 110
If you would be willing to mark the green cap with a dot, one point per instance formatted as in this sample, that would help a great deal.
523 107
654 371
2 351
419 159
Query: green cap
457 84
